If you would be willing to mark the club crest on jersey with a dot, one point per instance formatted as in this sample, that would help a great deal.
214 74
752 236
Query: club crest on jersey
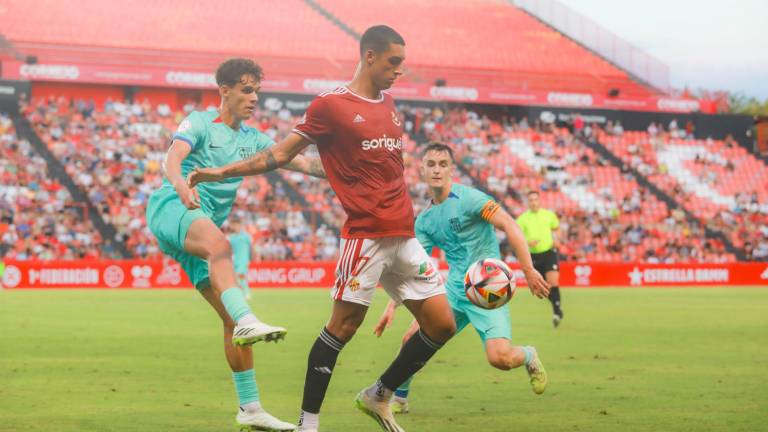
395 119
245 152
354 285
455 224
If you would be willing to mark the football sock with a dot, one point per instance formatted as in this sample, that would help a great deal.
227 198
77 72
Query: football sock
309 420
413 356
404 388
322 359
379 391
528 354
236 306
554 298
244 286
247 390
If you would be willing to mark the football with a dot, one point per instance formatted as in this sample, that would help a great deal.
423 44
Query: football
489 283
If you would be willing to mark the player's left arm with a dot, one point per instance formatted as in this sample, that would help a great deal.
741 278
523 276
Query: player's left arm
555 225
269 159
386 319
312 166
500 219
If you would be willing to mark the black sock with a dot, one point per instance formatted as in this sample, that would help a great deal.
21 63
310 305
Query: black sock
322 359
413 356
554 298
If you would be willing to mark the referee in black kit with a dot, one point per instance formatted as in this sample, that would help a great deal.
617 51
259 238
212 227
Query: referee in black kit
540 229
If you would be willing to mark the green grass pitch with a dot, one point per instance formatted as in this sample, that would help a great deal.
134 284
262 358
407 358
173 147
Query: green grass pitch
624 359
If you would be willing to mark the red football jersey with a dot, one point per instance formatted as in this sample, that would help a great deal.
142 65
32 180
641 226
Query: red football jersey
360 145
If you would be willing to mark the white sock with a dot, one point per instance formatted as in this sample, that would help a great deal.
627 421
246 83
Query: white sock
309 420
247 319
252 407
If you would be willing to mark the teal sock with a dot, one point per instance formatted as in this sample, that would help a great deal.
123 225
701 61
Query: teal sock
404 388
528 354
244 286
235 304
245 385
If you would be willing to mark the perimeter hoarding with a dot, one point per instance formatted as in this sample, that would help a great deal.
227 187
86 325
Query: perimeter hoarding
136 274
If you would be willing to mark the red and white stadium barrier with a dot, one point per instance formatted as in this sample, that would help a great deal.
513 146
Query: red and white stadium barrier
165 77
168 274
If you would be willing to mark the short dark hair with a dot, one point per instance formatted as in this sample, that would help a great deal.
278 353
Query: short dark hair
438 147
532 192
231 71
378 38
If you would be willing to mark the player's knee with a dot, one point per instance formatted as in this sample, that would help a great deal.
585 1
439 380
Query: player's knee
444 331
407 336
344 329
553 278
220 248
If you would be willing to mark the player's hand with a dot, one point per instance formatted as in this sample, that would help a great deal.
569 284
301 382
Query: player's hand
536 283
189 196
204 175
533 243
386 319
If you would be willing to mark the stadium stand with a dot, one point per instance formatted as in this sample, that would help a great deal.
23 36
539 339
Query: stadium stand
470 43
38 218
718 181
114 153
56 32
607 215
461 43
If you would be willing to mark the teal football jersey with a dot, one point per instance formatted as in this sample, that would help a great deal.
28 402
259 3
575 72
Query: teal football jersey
459 226
215 144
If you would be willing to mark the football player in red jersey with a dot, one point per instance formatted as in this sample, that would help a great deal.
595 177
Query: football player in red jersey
358 134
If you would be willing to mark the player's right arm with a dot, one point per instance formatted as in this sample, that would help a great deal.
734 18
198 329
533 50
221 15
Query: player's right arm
190 134
266 160
172 168
315 126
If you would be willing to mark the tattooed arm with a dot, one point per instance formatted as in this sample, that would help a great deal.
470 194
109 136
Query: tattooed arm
274 157
312 166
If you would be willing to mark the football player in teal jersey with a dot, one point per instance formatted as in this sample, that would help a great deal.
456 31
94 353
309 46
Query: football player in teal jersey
460 220
187 221
242 248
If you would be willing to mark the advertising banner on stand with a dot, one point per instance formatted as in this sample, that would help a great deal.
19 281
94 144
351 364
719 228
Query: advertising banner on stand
135 274
311 85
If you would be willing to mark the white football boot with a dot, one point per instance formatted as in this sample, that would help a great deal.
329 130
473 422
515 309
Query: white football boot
379 411
249 334
261 421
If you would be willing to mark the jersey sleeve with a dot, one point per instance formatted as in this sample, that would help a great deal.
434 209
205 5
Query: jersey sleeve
423 237
315 125
191 130
481 205
263 141
554 222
